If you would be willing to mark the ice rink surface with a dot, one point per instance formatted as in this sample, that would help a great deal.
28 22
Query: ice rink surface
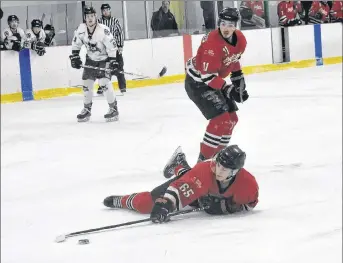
55 173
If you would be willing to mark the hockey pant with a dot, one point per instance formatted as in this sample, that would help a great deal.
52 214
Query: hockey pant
219 110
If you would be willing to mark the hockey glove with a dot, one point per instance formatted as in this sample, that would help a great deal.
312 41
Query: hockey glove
75 61
39 48
160 211
113 65
220 206
238 93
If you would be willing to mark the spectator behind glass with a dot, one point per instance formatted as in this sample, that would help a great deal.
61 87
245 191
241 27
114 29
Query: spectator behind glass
208 14
163 22
252 13
288 14
13 36
49 31
319 12
336 12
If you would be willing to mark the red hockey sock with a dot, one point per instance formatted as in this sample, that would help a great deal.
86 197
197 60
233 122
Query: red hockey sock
225 139
140 202
180 170
214 131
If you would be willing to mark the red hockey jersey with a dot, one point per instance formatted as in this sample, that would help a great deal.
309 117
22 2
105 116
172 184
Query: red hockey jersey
319 8
216 58
337 10
256 7
201 180
286 11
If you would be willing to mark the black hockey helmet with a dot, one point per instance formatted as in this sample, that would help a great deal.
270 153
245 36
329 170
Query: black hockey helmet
105 6
36 23
49 27
89 10
229 14
231 157
12 18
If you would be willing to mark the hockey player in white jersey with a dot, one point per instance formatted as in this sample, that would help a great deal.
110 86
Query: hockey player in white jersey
35 37
13 36
101 53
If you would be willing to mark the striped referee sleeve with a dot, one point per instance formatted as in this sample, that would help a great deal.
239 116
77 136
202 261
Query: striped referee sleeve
118 33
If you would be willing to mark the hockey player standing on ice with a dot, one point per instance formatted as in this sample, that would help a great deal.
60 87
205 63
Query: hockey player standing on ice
217 57
220 185
101 52
117 32
35 37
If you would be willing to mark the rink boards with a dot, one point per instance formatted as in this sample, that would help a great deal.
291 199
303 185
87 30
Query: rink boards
26 76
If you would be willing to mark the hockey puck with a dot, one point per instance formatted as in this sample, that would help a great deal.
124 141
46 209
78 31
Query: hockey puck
84 241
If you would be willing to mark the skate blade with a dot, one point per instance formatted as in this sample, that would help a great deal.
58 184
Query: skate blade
83 120
112 119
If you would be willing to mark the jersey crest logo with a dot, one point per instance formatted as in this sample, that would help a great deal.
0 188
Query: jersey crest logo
232 59
210 52
107 33
92 47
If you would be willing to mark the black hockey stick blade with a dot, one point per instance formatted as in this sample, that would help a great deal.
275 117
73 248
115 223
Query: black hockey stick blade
163 72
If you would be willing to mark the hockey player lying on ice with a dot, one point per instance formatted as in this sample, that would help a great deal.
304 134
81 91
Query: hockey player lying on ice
221 184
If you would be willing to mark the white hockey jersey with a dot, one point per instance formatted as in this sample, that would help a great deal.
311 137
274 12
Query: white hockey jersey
100 45
31 37
8 35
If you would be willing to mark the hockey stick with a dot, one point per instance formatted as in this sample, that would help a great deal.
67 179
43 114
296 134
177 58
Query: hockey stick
62 238
160 74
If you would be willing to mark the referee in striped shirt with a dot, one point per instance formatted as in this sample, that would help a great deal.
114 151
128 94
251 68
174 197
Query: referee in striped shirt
117 32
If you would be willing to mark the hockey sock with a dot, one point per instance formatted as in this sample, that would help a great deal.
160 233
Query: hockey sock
214 131
180 170
140 202
107 90
88 91
225 139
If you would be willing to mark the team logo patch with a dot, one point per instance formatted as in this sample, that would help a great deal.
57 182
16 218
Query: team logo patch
106 32
7 33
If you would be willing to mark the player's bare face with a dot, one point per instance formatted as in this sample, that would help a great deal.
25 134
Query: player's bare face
36 30
227 28
90 20
14 24
223 174
106 12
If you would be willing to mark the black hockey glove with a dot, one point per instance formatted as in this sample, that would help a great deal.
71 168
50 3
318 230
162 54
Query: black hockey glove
75 60
39 48
113 65
238 93
219 205
161 210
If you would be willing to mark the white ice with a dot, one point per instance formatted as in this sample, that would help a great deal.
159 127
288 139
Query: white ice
55 173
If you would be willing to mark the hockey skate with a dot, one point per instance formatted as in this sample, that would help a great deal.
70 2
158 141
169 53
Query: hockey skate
112 114
113 201
178 158
85 114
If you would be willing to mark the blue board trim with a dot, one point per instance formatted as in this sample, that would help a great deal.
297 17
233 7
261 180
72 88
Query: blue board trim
318 44
25 74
